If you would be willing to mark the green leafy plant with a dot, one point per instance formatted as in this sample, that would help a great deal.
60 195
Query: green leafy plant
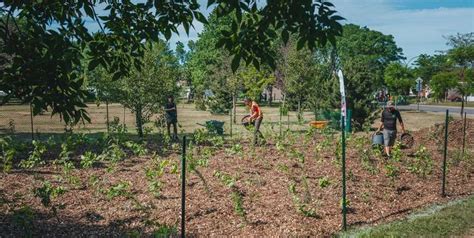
154 173
35 156
7 154
421 164
236 195
301 207
392 171
235 149
165 231
47 192
396 153
324 182
120 189
88 159
113 154
136 148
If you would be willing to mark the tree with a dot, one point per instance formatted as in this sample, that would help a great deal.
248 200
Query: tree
426 66
146 89
105 89
47 51
462 57
399 78
300 77
442 82
364 55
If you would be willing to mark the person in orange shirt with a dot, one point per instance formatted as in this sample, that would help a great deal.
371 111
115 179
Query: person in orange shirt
256 117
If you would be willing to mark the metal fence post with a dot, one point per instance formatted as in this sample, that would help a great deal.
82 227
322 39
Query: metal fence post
464 134
343 144
183 189
443 188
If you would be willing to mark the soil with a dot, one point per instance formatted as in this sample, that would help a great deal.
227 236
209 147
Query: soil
263 178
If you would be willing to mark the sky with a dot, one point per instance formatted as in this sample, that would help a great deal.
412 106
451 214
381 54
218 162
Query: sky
418 26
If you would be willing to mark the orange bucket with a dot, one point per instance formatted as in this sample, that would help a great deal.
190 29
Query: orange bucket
319 124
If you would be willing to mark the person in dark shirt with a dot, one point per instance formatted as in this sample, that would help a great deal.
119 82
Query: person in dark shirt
389 124
171 117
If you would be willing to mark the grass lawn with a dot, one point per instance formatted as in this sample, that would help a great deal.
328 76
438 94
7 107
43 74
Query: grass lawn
188 119
456 219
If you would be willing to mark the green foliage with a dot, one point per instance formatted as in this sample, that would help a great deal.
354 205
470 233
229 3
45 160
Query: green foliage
120 189
39 148
225 178
235 149
136 148
119 130
237 199
57 32
154 173
392 171
324 182
364 55
8 152
145 93
165 231
301 207
421 164
399 78
396 154
88 159
47 192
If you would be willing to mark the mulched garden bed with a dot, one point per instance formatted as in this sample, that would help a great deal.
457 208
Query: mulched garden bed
287 188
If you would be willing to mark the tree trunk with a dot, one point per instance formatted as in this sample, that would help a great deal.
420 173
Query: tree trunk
299 109
234 108
32 127
462 105
107 122
124 115
270 95
138 116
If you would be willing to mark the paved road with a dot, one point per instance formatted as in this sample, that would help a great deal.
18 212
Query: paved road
432 108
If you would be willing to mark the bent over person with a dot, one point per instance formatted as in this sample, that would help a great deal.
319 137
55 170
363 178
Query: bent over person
171 117
256 117
389 124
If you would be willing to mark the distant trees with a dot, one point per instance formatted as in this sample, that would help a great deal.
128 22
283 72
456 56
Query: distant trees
146 89
399 78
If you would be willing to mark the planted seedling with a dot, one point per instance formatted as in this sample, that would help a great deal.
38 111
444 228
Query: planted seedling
46 193
7 154
324 182
120 189
35 156
421 164
301 207
88 159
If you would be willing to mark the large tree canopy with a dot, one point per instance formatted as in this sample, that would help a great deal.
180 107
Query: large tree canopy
46 52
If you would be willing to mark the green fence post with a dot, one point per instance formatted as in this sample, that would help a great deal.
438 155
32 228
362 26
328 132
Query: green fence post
464 134
183 189
348 120
443 188
343 144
